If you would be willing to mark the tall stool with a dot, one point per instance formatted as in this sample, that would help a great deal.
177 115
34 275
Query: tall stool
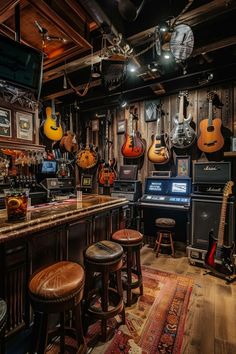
131 241
3 321
103 302
165 233
56 289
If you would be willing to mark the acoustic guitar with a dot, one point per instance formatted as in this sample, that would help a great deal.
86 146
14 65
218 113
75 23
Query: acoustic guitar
133 146
219 257
182 136
87 157
158 152
51 128
68 140
107 173
210 139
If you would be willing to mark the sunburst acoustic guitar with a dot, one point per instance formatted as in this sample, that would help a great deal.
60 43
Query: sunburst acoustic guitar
51 127
210 139
158 153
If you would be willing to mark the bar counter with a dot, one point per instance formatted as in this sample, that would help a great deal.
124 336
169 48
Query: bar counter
41 217
51 233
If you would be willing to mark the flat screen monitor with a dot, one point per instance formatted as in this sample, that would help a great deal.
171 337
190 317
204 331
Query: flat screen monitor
49 167
168 186
20 65
155 186
179 187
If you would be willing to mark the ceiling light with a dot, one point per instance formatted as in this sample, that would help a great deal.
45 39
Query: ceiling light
153 66
164 27
123 104
132 68
95 72
166 56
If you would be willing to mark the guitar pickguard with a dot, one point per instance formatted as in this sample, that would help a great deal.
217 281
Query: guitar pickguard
182 136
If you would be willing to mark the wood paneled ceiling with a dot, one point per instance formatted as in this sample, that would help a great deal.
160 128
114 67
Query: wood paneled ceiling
77 26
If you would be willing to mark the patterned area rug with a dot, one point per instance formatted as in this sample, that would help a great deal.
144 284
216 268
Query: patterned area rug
155 324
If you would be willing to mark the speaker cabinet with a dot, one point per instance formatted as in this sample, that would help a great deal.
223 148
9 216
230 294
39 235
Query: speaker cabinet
206 217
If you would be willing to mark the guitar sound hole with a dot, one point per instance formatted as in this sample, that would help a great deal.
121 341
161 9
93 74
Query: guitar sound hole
54 128
210 128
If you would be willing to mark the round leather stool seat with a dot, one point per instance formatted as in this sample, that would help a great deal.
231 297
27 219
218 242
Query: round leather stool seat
3 320
103 251
127 236
59 280
103 293
57 289
165 222
131 241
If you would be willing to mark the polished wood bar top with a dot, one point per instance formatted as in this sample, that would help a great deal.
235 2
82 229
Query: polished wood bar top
49 215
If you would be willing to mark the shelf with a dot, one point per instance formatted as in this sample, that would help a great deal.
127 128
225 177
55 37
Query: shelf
230 153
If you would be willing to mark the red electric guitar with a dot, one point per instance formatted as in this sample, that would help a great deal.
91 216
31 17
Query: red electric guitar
133 146
219 257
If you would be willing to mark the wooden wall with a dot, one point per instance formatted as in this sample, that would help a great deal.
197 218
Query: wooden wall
198 107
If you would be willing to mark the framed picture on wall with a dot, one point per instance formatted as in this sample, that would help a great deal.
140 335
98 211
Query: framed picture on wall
120 126
95 125
183 166
24 126
5 123
150 110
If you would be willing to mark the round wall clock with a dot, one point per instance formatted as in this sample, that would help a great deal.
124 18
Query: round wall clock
182 42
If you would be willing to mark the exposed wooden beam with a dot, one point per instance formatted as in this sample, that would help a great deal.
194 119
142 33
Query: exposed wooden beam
81 14
64 26
70 90
7 9
226 42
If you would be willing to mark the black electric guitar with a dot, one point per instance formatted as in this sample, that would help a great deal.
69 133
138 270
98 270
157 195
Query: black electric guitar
219 258
182 136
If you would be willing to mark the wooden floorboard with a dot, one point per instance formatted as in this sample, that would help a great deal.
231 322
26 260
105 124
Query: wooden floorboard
210 326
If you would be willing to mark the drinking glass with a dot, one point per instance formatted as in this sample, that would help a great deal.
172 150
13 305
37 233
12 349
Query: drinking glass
16 201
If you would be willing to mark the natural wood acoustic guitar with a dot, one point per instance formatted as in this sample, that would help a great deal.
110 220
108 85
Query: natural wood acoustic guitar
133 146
219 257
158 153
107 173
210 139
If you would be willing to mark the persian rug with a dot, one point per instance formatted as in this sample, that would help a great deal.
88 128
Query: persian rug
155 324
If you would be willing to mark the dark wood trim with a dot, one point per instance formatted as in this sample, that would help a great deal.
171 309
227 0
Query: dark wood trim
226 42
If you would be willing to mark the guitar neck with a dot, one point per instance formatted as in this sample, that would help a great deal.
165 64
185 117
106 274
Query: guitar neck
181 109
222 222
210 113
87 138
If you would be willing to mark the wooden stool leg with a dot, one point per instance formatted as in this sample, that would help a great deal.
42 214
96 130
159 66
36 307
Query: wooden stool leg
172 244
139 270
79 329
159 243
129 276
120 292
35 332
105 303
62 333
43 340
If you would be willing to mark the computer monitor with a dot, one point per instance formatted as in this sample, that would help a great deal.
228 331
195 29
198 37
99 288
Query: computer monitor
180 187
49 167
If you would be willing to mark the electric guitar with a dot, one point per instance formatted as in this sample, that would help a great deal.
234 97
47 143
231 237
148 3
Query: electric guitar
51 128
133 146
210 139
87 157
182 136
158 152
219 258
107 173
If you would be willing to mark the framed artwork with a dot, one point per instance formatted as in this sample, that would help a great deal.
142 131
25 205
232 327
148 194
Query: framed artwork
150 111
120 126
233 143
24 126
95 125
182 166
5 123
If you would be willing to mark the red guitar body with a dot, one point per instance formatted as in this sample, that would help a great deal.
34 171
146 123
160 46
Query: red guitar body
106 175
133 146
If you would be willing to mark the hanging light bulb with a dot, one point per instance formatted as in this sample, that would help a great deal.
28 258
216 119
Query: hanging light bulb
64 81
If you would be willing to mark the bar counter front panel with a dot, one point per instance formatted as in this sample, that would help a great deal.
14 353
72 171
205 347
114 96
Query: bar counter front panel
51 232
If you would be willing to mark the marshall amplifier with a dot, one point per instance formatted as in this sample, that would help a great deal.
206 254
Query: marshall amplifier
131 190
211 173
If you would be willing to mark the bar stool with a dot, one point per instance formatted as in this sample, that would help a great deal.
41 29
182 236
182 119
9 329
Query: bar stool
3 321
131 241
56 289
103 302
165 233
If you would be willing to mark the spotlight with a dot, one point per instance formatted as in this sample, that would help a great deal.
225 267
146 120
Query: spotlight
205 79
132 68
95 72
123 104
153 66
164 27
166 55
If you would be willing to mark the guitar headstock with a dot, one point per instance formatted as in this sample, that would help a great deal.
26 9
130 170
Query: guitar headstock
228 188
160 111
183 94
211 95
